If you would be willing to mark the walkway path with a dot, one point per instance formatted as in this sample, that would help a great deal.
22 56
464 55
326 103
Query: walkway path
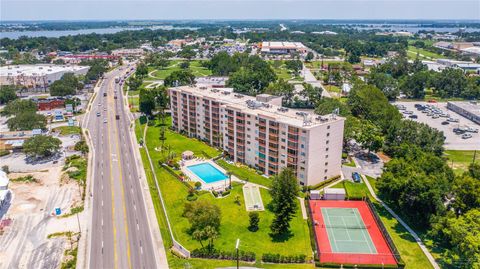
312 80
410 230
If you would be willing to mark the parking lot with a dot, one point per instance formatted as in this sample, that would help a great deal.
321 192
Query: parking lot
453 141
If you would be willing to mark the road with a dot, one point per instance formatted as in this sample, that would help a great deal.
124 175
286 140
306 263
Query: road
120 236
312 80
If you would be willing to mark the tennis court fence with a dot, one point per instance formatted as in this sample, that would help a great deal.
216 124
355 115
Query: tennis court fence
385 234
345 226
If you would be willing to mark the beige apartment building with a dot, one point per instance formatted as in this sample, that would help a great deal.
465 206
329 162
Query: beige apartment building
258 132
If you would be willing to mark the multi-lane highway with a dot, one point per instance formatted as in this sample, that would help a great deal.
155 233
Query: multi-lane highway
120 236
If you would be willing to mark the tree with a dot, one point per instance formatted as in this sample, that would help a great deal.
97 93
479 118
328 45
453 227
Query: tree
414 86
309 56
474 170
27 121
141 71
386 83
284 201
466 190
204 218
223 64
460 237
146 101
67 85
134 83
184 65
40 146
328 105
7 94
312 94
179 78
18 106
281 88
254 220
369 137
450 83
97 68
294 65
187 52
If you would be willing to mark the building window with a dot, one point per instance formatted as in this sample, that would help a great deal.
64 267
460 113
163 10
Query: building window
326 149
328 134
304 132
303 154
328 127
302 146
327 142
325 177
283 147
283 139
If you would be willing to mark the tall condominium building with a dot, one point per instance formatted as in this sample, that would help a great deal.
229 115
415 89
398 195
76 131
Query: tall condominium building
259 132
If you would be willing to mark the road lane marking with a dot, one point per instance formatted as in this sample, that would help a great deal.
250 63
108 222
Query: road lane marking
115 132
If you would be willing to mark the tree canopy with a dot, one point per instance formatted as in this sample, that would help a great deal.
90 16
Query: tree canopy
41 146
284 201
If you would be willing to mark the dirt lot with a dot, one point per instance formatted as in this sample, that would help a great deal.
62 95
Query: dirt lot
452 141
24 244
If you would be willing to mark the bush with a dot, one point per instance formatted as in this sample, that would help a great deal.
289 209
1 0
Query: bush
6 169
198 184
247 256
4 152
225 193
81 146
215 193
254 220
277 258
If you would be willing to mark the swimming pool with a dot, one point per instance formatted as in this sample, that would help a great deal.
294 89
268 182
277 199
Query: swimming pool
207 172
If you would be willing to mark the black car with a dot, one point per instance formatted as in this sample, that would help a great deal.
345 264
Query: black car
413 117
445 122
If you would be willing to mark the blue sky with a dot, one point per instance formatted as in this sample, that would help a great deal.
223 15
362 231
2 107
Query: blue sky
237 9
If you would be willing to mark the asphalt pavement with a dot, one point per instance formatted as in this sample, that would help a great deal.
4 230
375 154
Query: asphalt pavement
120 236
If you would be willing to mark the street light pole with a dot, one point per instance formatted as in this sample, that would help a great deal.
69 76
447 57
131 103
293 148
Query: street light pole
236 247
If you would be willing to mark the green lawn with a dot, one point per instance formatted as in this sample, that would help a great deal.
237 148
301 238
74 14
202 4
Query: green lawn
423 54
68 130
195 67
351 163
245 173
459 160
133 102
333 88
234 217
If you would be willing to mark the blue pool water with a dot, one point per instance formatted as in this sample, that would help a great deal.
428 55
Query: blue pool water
207 172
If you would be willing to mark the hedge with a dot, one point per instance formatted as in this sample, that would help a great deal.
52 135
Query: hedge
321 184
369 266
247 256
277 258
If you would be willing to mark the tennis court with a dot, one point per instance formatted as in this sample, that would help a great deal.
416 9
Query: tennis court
346 231
253 199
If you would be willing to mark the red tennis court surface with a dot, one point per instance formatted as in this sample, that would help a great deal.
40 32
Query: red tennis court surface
382 253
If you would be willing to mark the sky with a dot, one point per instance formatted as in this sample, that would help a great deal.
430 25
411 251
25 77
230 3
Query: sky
238 9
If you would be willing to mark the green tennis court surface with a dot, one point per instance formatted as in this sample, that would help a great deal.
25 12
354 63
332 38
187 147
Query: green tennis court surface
253 199
347 233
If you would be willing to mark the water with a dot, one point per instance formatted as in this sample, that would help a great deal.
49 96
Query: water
207 172
413 28
112 30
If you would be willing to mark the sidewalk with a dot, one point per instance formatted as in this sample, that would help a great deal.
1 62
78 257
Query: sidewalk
312 80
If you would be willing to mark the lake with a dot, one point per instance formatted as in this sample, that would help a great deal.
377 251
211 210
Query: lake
17 34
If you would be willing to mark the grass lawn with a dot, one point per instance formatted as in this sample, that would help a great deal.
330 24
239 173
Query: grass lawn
409 250
68 130
423 54
333 88
195 66
234 217
133 103
459 160
351 163
245 173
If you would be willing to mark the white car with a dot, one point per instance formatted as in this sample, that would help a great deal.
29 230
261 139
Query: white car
105 120
466 136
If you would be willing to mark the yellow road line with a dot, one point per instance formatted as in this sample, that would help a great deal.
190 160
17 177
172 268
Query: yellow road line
123 190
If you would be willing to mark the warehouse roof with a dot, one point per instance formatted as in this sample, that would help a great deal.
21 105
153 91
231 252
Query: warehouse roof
38 70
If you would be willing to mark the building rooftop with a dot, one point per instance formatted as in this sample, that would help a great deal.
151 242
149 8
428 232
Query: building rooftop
282 45
251 105
472 107
38 70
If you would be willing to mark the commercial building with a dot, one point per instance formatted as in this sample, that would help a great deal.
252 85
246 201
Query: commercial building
37 76
282 47
5 194
470 110
128 52
258 132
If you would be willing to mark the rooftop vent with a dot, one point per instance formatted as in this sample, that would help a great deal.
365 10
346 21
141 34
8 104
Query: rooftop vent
239 95
226 92
282 109
322 119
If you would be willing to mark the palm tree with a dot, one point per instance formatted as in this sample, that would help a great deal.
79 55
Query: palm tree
229 179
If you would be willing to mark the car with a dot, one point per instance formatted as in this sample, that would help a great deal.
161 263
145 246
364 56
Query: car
98 114
466 136
452 120
445 115
413 117
445 122
458 131
104 109
435 116
408 112
432 101
356 177
99 104
471 130
105 120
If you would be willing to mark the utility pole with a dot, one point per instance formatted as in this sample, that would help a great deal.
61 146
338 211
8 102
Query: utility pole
236 247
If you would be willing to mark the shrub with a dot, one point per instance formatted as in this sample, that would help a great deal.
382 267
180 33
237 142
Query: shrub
198 184
254 220
4 152
215 193
204 253
225 193
81 146
6 169
277 258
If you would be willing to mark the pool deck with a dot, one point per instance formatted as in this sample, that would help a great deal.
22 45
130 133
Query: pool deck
218 186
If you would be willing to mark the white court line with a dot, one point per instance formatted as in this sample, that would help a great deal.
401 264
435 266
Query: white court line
327 219
363 231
